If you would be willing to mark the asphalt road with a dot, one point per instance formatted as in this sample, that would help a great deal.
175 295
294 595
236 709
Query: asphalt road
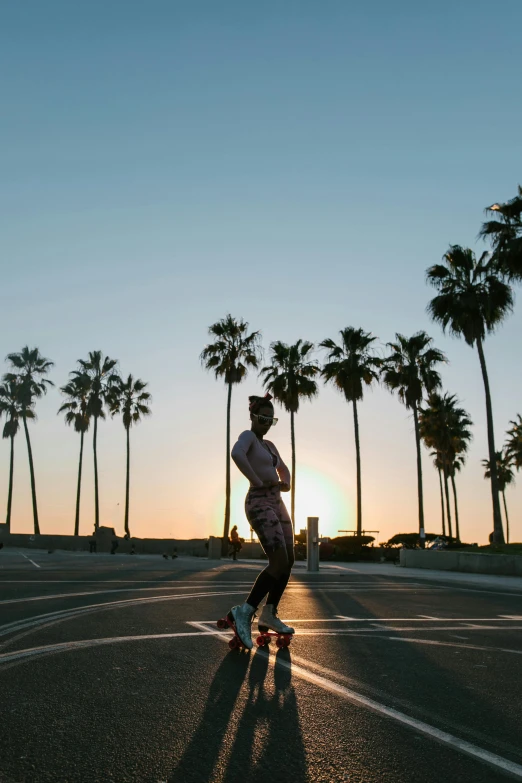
112 669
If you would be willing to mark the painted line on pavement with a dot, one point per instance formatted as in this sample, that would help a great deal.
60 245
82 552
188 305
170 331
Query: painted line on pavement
65 614
58 596
375 629
358 698
367 632
294 583
28 558
343 619
49 649
450 644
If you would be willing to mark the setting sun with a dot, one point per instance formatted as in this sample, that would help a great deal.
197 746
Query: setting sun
317 495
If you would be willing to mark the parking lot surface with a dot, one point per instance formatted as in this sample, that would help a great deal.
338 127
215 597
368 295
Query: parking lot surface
113 669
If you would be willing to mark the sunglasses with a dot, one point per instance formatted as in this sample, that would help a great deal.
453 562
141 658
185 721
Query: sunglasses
265 419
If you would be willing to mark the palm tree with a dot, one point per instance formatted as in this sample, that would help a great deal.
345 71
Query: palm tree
505 234
438 463
514 442
230 356
505 476
446 428
433 430
290 379
458 464
472 301
11 408
76 412
29 366
350 366
130 399
410 370
102 378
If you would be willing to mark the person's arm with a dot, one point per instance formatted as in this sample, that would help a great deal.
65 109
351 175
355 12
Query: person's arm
282 470
240 456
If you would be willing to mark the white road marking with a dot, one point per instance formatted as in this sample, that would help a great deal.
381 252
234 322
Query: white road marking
295 581
511 616
341 619
85 643
398 629
57 596
88 592
451 644
367 632
28 558
358 698
65 614
430 617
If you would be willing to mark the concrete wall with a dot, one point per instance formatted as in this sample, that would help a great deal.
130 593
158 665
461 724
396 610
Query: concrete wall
469 562
149 546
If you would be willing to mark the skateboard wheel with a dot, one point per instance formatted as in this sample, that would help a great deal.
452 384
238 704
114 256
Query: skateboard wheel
280 642
260 641
222 623
233 643
268 639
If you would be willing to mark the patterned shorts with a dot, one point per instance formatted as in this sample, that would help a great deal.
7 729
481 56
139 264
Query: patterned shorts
269 518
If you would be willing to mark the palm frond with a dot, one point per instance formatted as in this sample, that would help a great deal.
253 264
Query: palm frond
290 376
353 364
234 350
409 367
472 298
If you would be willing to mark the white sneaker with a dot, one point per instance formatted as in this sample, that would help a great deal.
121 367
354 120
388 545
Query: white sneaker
242 617
270 621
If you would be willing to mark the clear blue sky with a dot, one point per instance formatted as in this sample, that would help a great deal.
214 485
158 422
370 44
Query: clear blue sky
297 164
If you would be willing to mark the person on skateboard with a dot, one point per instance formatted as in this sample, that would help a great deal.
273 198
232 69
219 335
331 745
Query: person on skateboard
259 460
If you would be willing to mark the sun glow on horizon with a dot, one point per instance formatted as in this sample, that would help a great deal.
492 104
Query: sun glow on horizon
317 495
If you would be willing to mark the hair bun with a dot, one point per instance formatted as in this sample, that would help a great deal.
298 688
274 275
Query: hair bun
256 402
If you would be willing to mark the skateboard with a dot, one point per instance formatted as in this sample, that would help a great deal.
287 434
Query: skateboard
264 638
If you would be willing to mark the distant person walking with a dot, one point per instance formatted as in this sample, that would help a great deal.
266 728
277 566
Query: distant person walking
259 460
92 543
235 543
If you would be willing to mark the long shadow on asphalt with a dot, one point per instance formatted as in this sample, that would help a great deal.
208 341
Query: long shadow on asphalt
268 739
429 688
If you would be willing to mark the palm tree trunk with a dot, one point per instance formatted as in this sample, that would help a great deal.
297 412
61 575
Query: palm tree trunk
358 463
442 503
127 486
448 509
96 494
31 470
419 477
78 490
292 478
457 529
226 528
498 533
507 518
10 493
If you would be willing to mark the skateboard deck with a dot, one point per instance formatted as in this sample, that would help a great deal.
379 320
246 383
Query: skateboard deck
264 638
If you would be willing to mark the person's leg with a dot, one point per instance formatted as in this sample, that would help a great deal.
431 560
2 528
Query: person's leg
274 596
269 577
262 512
